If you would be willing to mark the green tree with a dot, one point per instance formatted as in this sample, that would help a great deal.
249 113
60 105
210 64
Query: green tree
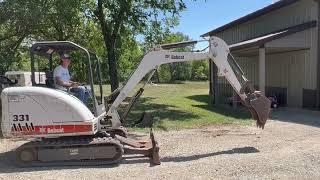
176 71
195 70
200 70
16 19
117 16
24 21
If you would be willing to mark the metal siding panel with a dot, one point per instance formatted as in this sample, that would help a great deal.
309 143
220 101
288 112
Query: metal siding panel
313 60
274 69
269 78
310 60
250 68
295 14
284 70
297 40
255 64
288 70
308 38
307 71
296 75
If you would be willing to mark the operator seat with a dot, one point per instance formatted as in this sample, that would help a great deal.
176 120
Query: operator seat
49 79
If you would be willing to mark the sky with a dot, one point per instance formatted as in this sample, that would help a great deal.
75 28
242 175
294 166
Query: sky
202 16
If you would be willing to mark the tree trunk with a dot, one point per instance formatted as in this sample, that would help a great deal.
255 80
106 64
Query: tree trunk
111 35
112 62
157 74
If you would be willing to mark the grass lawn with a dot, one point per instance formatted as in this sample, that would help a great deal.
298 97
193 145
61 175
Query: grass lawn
183 105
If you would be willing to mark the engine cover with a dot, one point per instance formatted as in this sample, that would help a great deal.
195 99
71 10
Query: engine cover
44 112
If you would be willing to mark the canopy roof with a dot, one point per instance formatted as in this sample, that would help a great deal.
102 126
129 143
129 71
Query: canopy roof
47 48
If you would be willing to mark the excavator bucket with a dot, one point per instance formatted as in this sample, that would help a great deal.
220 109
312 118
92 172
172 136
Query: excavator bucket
259 106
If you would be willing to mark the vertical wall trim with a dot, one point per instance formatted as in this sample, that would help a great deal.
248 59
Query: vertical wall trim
210 80
262 70
214 78
318 59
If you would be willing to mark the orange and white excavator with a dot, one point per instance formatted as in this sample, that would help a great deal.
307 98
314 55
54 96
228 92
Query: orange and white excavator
65 131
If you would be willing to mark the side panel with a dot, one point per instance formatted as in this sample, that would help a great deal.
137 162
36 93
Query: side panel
43 112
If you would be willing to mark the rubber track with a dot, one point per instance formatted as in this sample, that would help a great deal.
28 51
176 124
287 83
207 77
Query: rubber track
70 142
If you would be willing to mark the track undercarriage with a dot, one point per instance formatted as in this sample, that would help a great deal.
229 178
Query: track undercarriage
100 149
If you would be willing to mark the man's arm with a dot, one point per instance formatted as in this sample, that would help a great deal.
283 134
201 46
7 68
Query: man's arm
74 82
64 84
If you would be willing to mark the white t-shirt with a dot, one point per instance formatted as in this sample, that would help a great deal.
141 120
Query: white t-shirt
64 75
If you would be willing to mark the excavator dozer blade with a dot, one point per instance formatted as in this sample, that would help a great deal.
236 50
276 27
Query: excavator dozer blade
259 106
154 151
148 148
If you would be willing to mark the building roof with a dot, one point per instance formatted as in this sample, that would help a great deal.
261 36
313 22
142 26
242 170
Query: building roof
254 15
259 41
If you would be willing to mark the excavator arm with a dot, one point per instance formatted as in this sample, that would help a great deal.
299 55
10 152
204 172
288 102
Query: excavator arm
219 53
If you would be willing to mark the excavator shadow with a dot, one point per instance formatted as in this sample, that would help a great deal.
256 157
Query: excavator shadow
7 159
242 150
7 165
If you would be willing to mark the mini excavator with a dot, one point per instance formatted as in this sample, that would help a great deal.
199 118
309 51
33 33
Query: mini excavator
64 131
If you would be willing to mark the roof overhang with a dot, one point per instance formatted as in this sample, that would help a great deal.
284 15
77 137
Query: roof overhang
262 40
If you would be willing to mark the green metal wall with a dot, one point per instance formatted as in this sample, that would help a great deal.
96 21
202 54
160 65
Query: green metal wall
297 13
293 72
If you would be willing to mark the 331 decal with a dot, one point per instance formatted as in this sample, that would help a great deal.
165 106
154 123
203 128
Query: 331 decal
21 117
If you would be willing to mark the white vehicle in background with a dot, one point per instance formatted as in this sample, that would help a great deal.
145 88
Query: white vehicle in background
24 78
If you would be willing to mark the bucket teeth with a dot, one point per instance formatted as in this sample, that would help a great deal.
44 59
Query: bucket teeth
259 106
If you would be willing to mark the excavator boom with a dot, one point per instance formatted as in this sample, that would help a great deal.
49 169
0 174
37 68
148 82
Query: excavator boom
219 53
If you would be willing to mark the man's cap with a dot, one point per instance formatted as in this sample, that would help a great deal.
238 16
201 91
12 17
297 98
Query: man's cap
65 56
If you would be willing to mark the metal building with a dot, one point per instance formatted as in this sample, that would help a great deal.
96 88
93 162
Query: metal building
278 49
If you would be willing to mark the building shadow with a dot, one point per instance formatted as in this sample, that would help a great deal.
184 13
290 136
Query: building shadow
284 114
157 111
240 112
298 116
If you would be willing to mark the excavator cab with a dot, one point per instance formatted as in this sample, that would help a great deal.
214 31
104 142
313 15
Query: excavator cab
44 58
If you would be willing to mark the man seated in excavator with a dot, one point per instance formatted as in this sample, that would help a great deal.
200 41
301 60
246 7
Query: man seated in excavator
62 80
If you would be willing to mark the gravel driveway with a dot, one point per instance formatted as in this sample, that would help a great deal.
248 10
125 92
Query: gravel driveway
285 149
